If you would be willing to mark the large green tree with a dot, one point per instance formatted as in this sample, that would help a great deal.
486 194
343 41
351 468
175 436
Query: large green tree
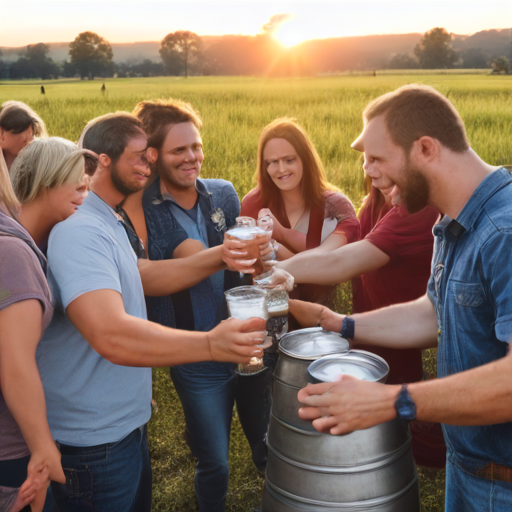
180 51
434 51
39 62
91 55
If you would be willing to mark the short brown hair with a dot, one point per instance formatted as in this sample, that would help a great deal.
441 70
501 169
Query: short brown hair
16 117
157 116
414 111
314 181
109 134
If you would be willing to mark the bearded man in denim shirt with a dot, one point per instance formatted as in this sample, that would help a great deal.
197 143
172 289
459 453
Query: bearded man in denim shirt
416 149
204 208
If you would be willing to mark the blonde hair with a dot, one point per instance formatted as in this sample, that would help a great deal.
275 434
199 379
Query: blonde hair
46 164
16 117
9 203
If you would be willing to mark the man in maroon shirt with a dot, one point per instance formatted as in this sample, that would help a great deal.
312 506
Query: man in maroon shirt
393 262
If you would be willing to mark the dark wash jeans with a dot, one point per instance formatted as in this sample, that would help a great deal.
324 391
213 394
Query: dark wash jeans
112 477
207 392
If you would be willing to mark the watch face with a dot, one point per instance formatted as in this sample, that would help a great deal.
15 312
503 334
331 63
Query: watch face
404 405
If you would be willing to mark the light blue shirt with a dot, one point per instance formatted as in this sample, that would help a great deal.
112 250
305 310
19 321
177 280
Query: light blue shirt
90 400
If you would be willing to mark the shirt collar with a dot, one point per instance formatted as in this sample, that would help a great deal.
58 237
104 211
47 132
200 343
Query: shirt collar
495 181
157 197
94 202
469 214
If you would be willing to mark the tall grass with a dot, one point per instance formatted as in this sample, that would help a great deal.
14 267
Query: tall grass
234 111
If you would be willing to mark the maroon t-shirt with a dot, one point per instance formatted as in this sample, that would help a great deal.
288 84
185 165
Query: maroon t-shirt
408 241
21 278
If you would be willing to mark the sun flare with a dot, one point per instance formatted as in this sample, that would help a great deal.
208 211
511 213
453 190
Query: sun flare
289 33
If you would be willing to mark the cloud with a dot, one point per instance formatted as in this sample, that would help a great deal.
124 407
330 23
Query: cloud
275 22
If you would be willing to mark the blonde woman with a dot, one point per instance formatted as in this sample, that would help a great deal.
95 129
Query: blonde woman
48 177
19 125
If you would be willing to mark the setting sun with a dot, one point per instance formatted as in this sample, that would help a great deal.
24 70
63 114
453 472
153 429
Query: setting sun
289 33
288 36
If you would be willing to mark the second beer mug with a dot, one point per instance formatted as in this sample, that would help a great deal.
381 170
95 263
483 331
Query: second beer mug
248 232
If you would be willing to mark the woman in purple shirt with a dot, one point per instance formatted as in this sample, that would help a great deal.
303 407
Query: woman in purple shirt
48 179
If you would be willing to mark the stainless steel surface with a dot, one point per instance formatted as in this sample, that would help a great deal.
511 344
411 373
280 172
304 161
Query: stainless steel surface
285 406
312 343
299 348
351 450
407 500
341 484
357 363
366 470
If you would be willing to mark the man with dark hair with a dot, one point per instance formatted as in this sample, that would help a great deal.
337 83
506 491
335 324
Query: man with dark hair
95 357
466 311
204 208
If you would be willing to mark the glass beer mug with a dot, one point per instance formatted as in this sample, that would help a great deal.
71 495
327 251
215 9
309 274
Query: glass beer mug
246 302
251 233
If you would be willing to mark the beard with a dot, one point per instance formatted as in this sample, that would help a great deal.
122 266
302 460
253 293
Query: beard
415 190
124 187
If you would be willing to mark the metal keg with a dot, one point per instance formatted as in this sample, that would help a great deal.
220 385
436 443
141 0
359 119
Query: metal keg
297 350
367 470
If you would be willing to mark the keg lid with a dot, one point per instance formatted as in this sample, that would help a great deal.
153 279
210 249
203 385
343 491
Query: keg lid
312 343
357 363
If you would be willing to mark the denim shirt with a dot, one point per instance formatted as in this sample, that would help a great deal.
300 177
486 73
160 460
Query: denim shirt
218 207
471 290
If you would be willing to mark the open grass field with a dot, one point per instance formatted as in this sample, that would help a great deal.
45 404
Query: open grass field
234 111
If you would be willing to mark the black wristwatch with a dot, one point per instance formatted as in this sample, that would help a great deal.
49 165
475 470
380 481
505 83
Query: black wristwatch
348 328
404 405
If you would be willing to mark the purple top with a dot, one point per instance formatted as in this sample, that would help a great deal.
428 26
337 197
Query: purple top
21 278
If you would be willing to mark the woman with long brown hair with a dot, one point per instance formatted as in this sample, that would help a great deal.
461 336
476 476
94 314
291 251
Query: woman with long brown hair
308 211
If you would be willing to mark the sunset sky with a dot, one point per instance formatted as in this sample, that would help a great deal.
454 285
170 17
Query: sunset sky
25 22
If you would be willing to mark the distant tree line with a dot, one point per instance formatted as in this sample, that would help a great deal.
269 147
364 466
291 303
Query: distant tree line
183 53
435 51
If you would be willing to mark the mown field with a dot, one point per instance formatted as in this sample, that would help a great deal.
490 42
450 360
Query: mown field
234 111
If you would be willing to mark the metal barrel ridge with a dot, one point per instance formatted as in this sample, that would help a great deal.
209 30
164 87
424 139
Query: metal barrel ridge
369 470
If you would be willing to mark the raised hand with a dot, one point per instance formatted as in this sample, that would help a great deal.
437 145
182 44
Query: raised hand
234 341
236 256
283 278
277 229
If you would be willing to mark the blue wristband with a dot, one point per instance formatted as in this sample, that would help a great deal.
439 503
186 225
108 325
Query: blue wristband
348 328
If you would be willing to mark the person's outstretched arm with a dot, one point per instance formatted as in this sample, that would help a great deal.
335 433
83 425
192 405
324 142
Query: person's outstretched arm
480 396
318 266
190 265
130 341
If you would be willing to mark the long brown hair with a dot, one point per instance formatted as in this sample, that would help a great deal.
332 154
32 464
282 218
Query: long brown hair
314 181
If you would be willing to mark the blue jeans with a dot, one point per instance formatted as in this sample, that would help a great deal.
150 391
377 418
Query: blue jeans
207 394
111 477
466 492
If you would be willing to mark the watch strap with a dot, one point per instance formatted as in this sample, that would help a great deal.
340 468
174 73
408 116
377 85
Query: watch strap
348 328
